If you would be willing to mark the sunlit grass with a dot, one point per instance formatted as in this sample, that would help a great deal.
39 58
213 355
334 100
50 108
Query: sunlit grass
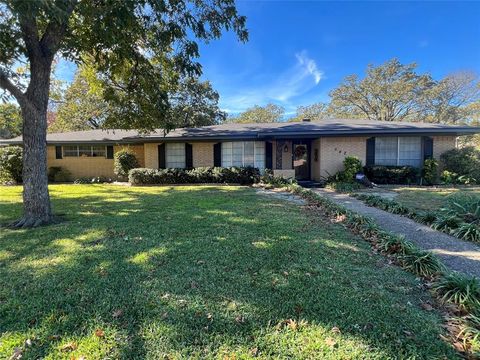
201 272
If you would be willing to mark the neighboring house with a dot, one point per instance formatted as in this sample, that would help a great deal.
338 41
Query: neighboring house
304 150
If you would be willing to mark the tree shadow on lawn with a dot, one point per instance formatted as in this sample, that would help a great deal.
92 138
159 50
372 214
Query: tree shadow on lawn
204 273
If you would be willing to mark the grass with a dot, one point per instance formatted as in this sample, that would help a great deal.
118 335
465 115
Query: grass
201 272
428 198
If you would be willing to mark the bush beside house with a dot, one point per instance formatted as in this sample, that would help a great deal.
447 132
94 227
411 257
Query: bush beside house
11 164
124 161
237 175
461 166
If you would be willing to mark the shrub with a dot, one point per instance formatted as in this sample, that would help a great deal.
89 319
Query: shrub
11 163
458 289
52 171
269 179
392 174
463 162
394 244
421 262
352 165
244 176
430 171
344 187
63 175
125 160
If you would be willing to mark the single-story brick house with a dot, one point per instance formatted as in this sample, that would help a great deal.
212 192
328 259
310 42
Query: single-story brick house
304 150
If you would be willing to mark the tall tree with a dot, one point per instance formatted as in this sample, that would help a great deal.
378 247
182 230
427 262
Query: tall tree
260 114
139 47
82 107
10 121
314 112
389 92
452 98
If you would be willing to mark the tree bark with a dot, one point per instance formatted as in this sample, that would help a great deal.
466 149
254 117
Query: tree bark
34 104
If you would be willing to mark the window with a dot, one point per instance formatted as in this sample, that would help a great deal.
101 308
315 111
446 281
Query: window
84 151
175 155
243 153
399 151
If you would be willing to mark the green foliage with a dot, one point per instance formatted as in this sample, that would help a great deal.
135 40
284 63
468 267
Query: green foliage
234 175
11 163
430 171
394 244
388 92
10 121
52 171
278 181
260 114
82 106
461 162
460 290
62 175
351 166
468 232
421 262
344 187
426 217
395 92
124 161
194 103
392 174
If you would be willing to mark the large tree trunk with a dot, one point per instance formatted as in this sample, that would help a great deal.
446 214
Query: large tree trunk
36 199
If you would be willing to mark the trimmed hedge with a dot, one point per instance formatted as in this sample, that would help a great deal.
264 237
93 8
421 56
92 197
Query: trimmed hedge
237 175
392 174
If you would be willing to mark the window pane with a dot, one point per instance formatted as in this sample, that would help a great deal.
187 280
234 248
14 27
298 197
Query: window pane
85 150
237 154
175 155
410 151
98 151
70 150
248 153
386 150
260 155
226 154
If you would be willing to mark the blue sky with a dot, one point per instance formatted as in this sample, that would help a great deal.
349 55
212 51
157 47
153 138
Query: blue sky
299 50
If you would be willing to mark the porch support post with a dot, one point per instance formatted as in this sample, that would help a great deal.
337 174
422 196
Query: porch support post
278 155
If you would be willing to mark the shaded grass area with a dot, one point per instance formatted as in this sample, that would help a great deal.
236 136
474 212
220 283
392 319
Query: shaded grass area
428 198
201 272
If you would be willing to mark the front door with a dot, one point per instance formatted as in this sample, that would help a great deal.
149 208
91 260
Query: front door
301 161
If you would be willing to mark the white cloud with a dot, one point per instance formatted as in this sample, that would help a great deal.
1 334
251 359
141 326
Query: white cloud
289 84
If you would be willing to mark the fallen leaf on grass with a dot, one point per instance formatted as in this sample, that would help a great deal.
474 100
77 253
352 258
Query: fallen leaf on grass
117 313
427 307
99 333
331 342
254 351
240 319
17 354
69 346
335 330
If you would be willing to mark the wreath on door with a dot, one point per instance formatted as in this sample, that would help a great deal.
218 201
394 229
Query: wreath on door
300 151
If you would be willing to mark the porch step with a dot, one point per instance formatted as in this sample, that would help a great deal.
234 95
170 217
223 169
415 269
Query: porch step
310 184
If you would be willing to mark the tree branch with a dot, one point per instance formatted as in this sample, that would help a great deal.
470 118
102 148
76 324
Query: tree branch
6 84
55 31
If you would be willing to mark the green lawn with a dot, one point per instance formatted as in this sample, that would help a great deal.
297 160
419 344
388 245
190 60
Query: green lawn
201 272
428 198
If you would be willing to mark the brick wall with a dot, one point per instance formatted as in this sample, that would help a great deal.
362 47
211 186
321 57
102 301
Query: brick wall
151 155
90 166
202 154
333 150
442 144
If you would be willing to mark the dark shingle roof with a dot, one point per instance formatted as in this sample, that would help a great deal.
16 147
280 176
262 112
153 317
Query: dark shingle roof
332 127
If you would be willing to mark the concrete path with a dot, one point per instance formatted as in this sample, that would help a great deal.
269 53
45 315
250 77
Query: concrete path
456 254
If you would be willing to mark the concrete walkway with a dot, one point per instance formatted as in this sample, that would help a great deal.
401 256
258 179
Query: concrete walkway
456 254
